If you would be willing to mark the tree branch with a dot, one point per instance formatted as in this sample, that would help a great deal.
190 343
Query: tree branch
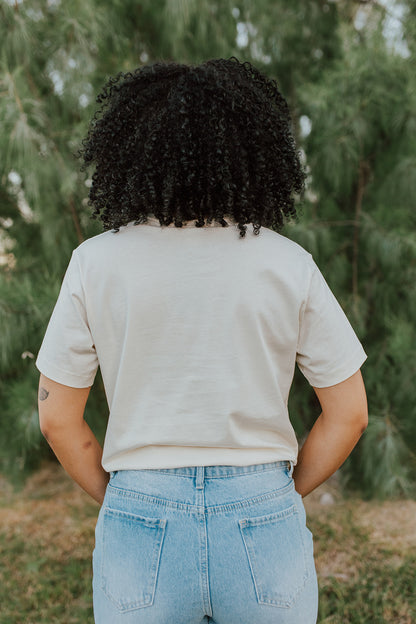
15 93
363 176
75 220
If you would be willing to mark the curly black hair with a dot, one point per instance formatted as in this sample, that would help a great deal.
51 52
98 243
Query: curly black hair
184 142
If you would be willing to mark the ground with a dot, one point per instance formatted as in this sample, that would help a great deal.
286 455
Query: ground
365 554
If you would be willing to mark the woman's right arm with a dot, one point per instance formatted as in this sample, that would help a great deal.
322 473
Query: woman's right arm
335 433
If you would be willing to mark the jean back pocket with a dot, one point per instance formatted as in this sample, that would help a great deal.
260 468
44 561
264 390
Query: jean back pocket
277 557
132 547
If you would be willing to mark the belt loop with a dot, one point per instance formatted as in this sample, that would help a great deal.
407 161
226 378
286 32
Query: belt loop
290 467
200 477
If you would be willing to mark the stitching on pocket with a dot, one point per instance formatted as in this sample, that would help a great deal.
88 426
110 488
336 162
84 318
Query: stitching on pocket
132 546
276 555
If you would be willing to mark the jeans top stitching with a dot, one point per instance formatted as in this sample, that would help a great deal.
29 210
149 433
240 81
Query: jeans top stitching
207 509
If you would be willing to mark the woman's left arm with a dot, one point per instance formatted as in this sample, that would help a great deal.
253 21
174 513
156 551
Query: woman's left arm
61 419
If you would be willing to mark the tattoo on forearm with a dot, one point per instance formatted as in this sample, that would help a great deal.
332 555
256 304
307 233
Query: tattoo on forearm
43 394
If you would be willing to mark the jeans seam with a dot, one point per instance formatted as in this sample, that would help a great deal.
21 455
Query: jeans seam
221 476
211 509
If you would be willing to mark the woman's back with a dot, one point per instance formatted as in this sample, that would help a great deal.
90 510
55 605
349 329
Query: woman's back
197 332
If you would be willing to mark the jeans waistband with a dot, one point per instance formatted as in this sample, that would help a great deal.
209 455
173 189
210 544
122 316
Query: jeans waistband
220 471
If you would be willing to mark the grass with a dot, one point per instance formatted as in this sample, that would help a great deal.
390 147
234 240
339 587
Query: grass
35 589
382 594
379 584
365 556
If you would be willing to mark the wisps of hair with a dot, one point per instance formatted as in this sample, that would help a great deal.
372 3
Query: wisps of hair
186 142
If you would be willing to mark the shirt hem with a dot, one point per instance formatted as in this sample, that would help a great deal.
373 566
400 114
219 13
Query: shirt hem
159 457
340 375
63 377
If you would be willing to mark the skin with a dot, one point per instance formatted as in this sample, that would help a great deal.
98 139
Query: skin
336 431
61 418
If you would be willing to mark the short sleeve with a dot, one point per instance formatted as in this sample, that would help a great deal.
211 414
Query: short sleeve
328 349
67 354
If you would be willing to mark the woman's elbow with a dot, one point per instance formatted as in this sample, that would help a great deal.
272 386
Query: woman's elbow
49 424
364 421
45 427
360 416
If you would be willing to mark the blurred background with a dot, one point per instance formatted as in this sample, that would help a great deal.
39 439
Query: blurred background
347 69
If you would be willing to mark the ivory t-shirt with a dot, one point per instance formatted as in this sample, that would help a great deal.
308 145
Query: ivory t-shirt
197 332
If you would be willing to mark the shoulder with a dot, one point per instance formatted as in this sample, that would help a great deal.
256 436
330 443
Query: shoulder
286 247
95 243
103 245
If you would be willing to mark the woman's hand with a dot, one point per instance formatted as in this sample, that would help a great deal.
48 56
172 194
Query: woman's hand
343 420
61 419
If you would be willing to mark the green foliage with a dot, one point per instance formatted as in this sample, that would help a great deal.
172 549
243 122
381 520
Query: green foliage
20 426
387 460
53 591
357 219
360 225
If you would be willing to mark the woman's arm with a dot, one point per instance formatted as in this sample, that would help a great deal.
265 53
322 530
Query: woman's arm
343 420
61 418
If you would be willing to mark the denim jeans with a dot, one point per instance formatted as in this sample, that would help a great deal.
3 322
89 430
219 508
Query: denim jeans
218 544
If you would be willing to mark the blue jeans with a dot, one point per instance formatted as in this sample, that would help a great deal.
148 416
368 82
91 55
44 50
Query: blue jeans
193 545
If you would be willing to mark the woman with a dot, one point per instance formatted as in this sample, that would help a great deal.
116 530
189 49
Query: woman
197 322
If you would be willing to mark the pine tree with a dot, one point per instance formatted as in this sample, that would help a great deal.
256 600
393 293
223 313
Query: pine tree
361 228
49 58
356 93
